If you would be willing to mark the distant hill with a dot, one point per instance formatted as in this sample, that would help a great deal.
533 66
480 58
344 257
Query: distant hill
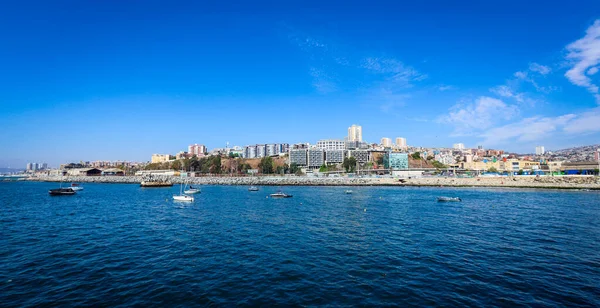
11 170
581 149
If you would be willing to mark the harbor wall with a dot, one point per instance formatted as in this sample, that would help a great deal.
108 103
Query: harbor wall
559 182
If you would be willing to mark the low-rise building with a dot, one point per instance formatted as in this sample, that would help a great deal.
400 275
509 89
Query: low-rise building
335 156
316 157
299 157
161 158
395 160
361 156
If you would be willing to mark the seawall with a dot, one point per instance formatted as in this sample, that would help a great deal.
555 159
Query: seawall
559 182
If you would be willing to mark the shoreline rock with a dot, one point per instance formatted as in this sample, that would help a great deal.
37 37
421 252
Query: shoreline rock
563 182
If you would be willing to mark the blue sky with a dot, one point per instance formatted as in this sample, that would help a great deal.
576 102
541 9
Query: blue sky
108 80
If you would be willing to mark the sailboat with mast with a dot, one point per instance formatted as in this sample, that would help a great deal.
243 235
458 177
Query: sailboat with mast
183 196
61 191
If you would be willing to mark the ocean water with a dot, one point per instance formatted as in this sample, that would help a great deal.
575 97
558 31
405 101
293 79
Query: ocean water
119 244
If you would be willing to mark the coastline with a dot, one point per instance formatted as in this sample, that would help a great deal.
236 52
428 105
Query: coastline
548 182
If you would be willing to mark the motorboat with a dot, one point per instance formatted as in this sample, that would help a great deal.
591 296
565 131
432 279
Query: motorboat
61 192
449 199
253 188
192 190
348 191
76 187
280 194
183 198
155 184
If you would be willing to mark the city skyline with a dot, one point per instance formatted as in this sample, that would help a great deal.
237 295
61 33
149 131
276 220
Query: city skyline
436 74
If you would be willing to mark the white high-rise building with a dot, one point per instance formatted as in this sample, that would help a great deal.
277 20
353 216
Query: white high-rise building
355 133
331 144
386 142
540 150
401 142
458 146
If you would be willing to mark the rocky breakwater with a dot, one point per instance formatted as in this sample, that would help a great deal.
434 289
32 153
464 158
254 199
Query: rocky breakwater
255 180
557 182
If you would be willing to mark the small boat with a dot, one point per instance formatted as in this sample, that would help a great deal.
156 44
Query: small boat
76 187
61 192
449 199
280 194
253 188
191 190
348 191
183 198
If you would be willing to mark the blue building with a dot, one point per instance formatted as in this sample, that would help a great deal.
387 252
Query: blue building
395 161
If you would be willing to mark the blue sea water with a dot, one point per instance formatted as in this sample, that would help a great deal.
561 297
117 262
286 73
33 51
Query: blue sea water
118 244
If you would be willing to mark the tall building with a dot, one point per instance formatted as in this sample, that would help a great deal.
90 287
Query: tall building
355 133
29 166
540 150
386 142
458 146
316 157
197 149
401 142
597 155
331 144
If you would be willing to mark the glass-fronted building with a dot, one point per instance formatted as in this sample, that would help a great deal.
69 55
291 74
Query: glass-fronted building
395 161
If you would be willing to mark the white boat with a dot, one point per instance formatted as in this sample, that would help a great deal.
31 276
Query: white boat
348 191
253 188
182 196
280 194
76 187
191 190
449 199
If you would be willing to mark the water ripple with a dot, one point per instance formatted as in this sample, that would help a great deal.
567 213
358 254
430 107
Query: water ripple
119 245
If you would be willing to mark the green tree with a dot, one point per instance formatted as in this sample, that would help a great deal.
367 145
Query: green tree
438 165
194 163
380 160
266 165
176 165
280 170
323 168
492 169
349 164
294 168
520 172
416 155
215 164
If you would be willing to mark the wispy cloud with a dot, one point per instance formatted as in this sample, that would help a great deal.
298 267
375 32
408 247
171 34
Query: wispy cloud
445 88
474 117
586 122
538 68
584 55
396 70
527 130
322 82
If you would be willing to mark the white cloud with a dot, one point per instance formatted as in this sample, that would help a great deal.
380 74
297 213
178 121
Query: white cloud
521 75
592 71
526 130
584 54
479 115
538 68
587 122
506 91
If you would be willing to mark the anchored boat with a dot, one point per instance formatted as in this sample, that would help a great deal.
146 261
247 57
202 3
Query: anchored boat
449 199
